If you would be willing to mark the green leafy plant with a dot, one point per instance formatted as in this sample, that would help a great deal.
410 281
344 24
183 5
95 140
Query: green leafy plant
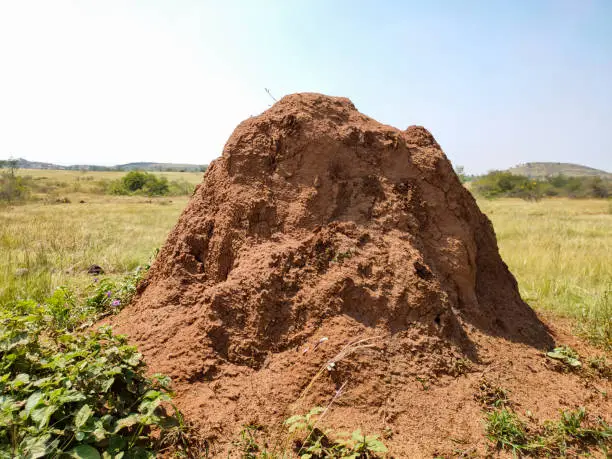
329 444
574 431
566 355
358 445
78 394
249 443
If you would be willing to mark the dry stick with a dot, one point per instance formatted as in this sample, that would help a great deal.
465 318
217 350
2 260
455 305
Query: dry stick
270 94
347 350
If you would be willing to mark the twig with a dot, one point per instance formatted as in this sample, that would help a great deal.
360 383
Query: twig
270 94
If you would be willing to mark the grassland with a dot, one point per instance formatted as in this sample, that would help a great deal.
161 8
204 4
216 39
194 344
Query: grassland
560 250
56 185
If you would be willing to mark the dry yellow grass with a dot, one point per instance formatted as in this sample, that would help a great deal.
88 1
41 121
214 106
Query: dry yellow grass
560 251
43 246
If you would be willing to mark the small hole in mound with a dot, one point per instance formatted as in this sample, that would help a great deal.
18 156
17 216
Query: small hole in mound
437 320
501 325
422 271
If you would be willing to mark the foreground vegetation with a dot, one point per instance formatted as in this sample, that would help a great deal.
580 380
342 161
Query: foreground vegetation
64 391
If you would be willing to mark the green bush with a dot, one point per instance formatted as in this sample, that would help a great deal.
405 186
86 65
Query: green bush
78 394
136 182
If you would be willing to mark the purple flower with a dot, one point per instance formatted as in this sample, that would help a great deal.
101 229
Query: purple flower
115 303
95 280
108 294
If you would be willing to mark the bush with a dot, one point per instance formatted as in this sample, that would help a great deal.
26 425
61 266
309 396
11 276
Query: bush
136 182
13 188
77 394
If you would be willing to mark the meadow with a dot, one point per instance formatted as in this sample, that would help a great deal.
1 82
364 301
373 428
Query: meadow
560 250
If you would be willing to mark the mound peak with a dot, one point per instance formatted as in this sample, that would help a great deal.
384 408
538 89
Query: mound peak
318 228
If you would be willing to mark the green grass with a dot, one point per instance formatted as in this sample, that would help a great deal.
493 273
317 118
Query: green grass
574 433
44 246
560 251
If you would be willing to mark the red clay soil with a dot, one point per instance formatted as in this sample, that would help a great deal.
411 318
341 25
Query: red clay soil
322 236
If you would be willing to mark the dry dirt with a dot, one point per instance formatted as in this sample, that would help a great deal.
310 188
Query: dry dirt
323 236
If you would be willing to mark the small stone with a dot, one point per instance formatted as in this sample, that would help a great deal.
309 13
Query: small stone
95 270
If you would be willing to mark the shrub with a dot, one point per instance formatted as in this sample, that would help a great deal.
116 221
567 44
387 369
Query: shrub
13 188
136 182
65 393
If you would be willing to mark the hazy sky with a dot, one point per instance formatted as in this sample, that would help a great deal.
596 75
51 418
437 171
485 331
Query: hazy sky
497 82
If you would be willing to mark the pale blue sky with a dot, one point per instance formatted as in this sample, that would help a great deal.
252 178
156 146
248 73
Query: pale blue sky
497 82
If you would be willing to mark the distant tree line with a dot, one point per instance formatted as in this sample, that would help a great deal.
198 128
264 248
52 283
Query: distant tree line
497 184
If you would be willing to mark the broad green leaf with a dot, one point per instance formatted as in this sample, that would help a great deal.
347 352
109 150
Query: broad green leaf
20 380
42 415
128 421
82 416
33 401
84 452
107 384
36 447
377 447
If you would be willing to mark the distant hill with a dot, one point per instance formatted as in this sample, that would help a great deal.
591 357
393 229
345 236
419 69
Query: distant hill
545 169
142 166
25 164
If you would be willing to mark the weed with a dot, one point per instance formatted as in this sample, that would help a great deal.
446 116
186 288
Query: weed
571 434
248 444
506 430
491 396
601 367
341 256
567 356
330 444
424 383
76 393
